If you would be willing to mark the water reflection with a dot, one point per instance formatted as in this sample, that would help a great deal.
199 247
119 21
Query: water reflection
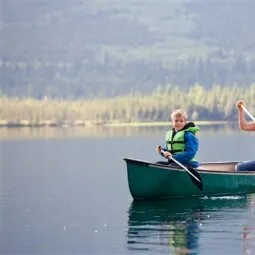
175 226
105 131
248 231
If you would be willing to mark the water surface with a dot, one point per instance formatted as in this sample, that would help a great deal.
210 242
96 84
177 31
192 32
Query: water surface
65 191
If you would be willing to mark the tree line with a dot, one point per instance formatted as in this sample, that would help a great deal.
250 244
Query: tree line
215 104
109 77
74 49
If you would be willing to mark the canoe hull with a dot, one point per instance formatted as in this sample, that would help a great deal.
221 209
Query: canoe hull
152 181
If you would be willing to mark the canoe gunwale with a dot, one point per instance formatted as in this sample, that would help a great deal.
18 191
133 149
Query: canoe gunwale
200 170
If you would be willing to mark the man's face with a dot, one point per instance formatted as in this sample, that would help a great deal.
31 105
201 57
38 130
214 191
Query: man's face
178 122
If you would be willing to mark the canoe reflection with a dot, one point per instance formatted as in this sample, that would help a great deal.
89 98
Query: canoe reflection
173 226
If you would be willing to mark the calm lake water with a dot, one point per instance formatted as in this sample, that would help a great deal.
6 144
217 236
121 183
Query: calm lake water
65 191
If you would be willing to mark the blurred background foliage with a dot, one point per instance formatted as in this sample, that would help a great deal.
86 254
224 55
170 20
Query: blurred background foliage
85 49
215 104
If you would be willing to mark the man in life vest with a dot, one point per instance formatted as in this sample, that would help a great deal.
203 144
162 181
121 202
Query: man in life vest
181 141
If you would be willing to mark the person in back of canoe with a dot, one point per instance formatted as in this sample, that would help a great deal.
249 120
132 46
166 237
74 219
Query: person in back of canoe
246 126
181 142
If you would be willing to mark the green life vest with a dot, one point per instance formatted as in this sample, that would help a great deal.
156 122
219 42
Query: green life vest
175 142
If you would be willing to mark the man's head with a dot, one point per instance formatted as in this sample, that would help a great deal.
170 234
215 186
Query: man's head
179 119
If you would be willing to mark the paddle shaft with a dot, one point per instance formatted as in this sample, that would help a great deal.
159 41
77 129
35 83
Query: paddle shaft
247 112
182 166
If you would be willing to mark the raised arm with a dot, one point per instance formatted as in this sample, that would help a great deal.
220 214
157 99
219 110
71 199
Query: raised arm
243 124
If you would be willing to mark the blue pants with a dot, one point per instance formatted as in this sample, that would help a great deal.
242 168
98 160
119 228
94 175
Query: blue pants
246 166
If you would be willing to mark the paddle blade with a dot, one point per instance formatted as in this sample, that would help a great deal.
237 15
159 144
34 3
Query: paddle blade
198 182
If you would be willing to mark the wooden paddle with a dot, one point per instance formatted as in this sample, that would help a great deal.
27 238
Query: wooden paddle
193 174
247 112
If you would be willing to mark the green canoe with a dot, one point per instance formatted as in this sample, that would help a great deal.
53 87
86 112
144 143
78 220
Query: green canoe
152 181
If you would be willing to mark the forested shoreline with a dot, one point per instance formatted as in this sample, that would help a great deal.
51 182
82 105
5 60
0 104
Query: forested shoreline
81 49
215 104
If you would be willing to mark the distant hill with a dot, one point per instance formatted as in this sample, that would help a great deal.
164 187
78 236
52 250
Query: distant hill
84 48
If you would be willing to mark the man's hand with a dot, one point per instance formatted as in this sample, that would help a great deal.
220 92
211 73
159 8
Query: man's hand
239 104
